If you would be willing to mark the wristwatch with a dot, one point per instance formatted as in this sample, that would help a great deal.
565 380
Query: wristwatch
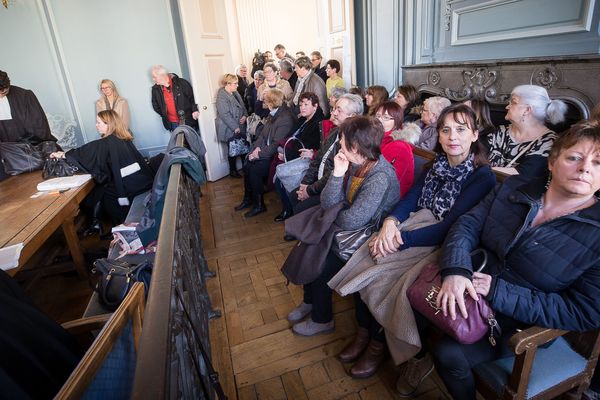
396 222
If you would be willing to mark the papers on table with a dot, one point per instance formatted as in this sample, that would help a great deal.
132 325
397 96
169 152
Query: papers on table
9 256
63 183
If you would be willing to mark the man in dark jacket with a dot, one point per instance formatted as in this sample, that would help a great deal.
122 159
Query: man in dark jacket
171 97
315 178
316 58
286 70
22 118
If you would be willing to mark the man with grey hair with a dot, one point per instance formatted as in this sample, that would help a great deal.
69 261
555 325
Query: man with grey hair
315 178
172 98
309 82
241 72
316 58
286 71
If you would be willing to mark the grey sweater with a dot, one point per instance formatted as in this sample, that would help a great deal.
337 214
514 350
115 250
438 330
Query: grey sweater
378 193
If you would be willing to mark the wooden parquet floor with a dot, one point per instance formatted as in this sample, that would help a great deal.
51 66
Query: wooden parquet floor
253 348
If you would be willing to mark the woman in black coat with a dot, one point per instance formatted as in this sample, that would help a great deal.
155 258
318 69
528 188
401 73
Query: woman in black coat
118 168
543 263
307 134
278 126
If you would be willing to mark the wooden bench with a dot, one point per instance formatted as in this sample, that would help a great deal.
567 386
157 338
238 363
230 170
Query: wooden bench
112 354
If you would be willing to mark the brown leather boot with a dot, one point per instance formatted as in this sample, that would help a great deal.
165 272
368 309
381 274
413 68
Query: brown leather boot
370 361
356 347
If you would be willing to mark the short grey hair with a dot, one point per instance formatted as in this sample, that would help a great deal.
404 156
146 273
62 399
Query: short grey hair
542 107
338 92
286 65
159 69
354 105
259 75
437 104
239 67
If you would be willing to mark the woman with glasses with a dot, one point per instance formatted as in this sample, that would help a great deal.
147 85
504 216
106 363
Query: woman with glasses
395 147
273 81
110 100
231 117
523 146
380 271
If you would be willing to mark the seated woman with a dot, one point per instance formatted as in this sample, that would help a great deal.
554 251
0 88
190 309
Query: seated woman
432 108
250 96
231 117
256 167
375 97
524 145
315 178
396 147
485 126
110 100
543 267
307 133
367 184
407 97
118 168
384 268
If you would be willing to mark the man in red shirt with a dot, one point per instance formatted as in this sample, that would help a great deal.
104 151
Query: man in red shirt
173 96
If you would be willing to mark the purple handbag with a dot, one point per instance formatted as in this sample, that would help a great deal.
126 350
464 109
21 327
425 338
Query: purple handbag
422 295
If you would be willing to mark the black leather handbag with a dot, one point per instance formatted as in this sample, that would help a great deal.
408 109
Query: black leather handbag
57 167
18 158
117 277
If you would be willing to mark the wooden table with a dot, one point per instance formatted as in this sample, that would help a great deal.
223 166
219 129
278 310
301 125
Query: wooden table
32 221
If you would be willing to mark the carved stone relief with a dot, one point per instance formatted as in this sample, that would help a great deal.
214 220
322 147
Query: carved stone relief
477 83
545 76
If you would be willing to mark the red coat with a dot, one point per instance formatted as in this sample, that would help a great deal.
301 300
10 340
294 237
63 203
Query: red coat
399 154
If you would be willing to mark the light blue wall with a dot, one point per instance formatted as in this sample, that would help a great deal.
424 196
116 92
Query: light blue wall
391 33
67 46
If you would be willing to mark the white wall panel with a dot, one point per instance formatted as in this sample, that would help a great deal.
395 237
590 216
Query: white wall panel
265 23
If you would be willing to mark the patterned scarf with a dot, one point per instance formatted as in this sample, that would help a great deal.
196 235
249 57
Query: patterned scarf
356 180
443 184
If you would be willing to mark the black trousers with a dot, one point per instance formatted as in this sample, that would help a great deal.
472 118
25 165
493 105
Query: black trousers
319 294
255 173
300 206
366 320
454 361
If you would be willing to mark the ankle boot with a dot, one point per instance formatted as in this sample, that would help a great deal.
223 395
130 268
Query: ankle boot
370 360
246 202
96 225
259 207
355 348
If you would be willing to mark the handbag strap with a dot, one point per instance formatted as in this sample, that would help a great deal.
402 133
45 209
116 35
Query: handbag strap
285 145
485 258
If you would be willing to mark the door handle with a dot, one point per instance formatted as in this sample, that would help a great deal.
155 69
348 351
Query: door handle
204 108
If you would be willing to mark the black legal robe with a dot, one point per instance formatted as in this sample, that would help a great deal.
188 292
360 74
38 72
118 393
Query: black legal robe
29 122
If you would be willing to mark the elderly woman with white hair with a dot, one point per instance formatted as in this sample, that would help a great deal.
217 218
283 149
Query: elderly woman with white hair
524 145
432 108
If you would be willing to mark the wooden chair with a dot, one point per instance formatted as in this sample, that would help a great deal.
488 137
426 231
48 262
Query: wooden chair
109 363
540 369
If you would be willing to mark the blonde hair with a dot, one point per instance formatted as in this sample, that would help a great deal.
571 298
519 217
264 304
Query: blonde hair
112 86
115 125
273 98
228 78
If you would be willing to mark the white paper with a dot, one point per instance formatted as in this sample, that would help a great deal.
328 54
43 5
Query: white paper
66 182
9 256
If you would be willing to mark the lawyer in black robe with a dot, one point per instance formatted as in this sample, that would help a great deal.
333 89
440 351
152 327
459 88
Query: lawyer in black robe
118 168
28 122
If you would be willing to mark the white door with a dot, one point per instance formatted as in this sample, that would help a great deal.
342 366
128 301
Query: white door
204 27
337 19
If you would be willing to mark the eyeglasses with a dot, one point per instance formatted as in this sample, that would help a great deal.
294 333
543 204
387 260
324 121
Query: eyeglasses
105 87
383 118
